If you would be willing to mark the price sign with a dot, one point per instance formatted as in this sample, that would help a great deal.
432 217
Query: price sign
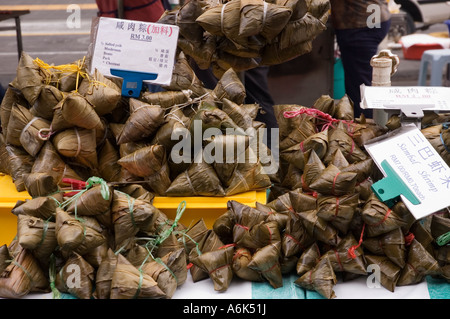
391 97
418 167
136 46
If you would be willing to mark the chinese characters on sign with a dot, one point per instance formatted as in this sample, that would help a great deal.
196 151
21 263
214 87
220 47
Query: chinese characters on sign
420 167
379 97
135 46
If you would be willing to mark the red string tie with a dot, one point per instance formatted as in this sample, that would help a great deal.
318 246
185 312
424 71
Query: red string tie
351 250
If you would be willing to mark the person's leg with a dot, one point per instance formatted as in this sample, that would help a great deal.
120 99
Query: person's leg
257 90
357 47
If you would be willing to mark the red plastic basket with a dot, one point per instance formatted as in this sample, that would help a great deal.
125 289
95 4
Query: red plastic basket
415 51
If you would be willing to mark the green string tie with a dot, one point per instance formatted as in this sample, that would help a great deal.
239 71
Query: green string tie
21 267
164 235
89 183
443 239
44 232
52 277
141 279
130 206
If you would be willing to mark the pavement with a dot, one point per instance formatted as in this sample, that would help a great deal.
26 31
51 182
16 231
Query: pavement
60 33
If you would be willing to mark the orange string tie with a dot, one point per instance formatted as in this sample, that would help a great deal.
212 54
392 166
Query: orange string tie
351 250
327 119
226 246
270 233
295 240
336 253
242 226
218 268
389 211
334 184
409 238
337 208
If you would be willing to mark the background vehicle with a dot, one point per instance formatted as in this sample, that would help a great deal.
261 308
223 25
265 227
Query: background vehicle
420 14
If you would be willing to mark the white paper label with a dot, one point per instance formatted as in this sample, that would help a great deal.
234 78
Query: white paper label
391 97
420 167
135 46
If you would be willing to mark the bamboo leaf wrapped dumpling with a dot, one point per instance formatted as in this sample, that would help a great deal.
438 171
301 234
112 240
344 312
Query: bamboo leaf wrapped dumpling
389 272
308 259
129 216
266 262
74 110
264 18
342 261
79 144
260 235
18 163
19 117
200 179
298 31
40 184
391 245
217 263
22 276
37 235
209 242
321 279
419 264
103 276
93 201
319 229
129 282
250 175
295 238
143 121
29 79
101 92
80 286
149 162
230 86
241 258
184 77
160 270
50 162
49 97
43 207
338 211
166 99
379 218
76 234
11 97
296 154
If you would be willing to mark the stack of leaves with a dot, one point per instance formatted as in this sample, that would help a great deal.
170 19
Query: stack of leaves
243 34
160 140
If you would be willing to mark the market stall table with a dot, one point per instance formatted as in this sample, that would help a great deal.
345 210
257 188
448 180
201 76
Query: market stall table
5 15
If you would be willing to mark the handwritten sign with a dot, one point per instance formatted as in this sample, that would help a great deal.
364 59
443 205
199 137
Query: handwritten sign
135 46
391 97
418 165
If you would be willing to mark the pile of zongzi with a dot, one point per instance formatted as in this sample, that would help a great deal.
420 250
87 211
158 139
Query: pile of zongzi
171 142
243 34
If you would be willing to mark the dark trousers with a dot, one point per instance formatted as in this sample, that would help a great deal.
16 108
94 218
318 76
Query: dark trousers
357 47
